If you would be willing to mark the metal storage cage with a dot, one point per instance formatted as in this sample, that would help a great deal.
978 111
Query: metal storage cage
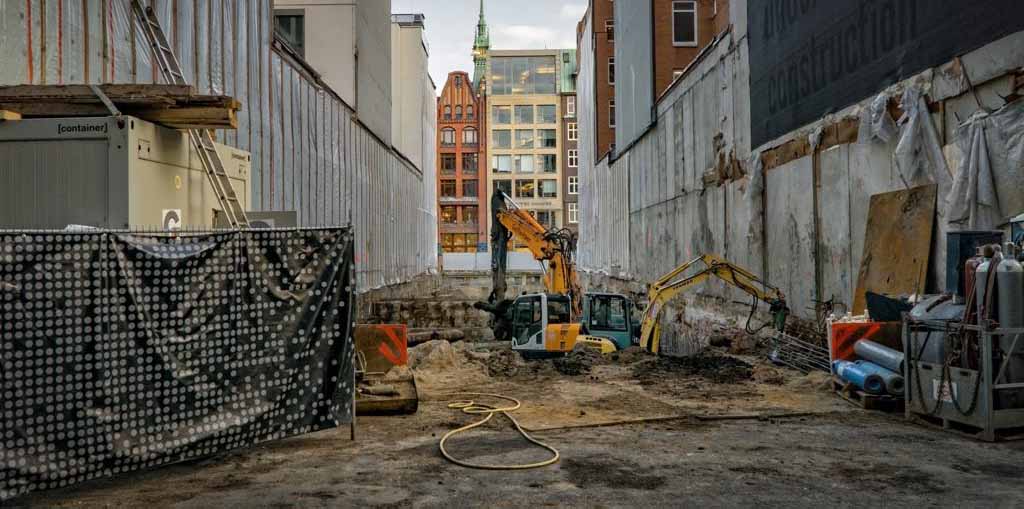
978 402
107 172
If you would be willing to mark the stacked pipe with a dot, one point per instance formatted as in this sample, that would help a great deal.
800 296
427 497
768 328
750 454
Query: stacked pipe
879 371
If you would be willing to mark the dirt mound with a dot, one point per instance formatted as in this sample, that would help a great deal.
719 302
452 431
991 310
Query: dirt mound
766 374
630 355
578 362
716 368
815 381
439 364
504 363
436 355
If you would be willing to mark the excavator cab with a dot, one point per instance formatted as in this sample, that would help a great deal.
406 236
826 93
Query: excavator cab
533 315
609 315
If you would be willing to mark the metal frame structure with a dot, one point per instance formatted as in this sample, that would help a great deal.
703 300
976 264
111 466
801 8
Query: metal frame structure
961 396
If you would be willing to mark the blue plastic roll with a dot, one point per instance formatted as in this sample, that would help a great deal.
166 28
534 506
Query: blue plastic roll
893 381
852 372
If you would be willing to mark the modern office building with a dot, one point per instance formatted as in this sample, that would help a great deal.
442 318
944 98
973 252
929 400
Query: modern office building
524 124
462 216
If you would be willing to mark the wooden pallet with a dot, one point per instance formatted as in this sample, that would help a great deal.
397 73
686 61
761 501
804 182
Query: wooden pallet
877 402
175 106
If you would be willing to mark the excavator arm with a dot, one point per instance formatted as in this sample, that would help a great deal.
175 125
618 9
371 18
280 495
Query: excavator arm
683 278
554 247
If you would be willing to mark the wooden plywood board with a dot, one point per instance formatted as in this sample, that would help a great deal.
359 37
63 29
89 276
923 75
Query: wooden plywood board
897 244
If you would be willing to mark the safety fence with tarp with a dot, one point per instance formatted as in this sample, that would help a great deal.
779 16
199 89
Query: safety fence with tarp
121 351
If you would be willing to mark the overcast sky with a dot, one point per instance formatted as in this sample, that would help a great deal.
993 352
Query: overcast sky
515 24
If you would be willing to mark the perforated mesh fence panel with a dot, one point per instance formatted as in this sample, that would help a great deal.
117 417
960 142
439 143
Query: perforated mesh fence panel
121 351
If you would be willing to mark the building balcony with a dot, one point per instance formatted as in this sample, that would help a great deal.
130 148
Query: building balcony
460 200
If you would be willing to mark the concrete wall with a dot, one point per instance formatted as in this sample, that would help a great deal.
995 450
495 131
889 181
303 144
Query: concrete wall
408 103
373 66
690 188
309 151
634 70
330 41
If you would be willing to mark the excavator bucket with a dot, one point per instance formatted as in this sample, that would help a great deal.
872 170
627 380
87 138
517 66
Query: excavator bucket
385 385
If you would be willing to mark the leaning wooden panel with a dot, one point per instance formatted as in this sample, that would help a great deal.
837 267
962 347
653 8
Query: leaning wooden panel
897 244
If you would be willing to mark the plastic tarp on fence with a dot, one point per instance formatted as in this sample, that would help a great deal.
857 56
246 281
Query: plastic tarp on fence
122 351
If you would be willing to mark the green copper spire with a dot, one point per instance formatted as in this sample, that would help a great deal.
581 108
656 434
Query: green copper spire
481 44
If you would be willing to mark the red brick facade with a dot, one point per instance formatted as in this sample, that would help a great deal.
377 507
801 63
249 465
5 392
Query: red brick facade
461 170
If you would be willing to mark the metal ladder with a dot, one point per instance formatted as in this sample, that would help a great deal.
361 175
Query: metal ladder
202 139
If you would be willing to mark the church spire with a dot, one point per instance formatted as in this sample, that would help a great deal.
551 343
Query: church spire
481 43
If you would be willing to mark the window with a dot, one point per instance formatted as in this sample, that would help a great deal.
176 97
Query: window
502 115
611 70
290 25
448 163
547 138
548 163
458 113
470 163
502 164
469 135
573 132
570 106
524 114
546 218
574 185
574 158
524 164
448 214
525 189
608 313
684 23
470 214
546 114
504 186
524 138
609 29
448 189
447 112
611 113
502 138
447 136
548 188
459 242
523 75
458 81
470 188
574 213
469 112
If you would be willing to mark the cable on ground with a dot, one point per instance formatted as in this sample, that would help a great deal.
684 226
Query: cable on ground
472 407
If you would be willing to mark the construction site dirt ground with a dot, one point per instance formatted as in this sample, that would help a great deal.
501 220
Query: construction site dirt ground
808 448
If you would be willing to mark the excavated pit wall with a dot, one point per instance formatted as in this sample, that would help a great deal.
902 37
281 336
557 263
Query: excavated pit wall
441 302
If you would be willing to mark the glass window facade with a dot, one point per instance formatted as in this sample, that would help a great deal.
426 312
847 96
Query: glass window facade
524 114
502 115
523 75
504 186
470 163
502 164
470 188
525 189
546 114
547 138
502 138
524 138
548 188
548 163
524 164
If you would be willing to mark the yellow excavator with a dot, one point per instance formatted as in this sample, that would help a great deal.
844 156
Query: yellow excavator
707 266
562 318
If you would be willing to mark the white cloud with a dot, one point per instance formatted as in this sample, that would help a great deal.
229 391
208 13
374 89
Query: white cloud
574 12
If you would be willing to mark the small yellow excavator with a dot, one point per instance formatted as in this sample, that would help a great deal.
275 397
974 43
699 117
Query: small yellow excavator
683 278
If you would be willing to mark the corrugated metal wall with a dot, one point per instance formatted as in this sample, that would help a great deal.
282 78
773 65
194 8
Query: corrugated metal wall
671 215
309 154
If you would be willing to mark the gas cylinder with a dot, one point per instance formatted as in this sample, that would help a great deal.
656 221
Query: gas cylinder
970 267
1010 311
992 254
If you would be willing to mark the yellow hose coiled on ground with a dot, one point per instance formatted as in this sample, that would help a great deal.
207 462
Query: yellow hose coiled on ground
471 407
